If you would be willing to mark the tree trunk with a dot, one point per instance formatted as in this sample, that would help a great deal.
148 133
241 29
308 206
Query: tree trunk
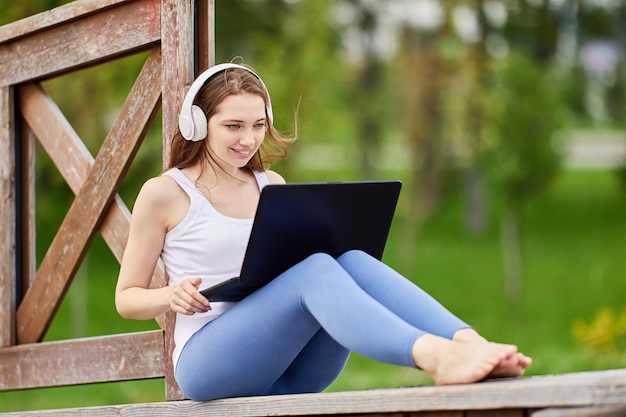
512 254
475 213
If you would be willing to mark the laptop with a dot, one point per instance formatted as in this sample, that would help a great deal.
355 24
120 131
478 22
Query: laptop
296 220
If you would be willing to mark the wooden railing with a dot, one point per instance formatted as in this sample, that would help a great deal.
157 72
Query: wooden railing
66 39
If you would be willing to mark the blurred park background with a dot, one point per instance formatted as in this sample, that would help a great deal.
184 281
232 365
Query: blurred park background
505 120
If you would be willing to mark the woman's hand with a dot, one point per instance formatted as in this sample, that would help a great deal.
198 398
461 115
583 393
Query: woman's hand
186 299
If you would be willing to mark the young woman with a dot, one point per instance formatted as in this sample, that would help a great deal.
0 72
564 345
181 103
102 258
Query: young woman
295 334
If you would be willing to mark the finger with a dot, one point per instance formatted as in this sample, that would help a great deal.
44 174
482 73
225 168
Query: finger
198 297
196 282
188 303
184 307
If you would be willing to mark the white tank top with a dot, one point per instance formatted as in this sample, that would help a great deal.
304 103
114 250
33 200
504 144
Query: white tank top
205 244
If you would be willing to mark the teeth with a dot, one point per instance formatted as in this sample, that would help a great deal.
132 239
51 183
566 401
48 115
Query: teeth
243 152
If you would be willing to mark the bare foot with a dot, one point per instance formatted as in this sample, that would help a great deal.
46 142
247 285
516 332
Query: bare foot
455 362
468 335
511 366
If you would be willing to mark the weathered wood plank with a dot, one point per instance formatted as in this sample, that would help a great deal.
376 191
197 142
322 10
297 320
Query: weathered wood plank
82 361
87 211
177 46
113 32
29 258
587 389
206 34
56 135
74 161
8 218
172 390
54 17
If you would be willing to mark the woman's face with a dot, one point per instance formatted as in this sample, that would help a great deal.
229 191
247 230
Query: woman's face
237 129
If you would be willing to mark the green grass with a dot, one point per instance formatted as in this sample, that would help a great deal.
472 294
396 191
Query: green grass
574 243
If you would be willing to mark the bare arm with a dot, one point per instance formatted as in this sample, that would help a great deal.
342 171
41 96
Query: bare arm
160 205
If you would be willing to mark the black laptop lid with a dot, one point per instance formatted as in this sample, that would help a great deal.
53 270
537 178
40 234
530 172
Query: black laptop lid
294 221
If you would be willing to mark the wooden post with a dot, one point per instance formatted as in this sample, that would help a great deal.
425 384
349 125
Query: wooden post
8 277
179 46
206 34
28 252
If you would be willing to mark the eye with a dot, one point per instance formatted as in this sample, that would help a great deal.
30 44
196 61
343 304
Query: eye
259 125
233 126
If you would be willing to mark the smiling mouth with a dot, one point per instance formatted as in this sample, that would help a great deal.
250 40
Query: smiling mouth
242 152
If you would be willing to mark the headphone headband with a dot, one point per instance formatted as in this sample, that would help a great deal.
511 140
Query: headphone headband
192 121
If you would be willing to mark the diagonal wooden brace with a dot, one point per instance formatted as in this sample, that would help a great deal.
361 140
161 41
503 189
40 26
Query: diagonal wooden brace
90 206
74 161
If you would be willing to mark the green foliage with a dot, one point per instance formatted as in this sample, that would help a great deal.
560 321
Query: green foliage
574 89
616 96
11 11
606 332
524 111
295 47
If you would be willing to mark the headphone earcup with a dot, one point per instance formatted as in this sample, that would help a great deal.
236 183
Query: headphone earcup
199 123
185 124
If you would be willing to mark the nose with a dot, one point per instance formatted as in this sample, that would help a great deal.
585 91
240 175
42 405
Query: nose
248 138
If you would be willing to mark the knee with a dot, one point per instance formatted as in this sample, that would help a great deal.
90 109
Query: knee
319 266
320 261
323 263
354 255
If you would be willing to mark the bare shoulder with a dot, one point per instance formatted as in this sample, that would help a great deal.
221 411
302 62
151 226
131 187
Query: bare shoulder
161 201
159 190
274 177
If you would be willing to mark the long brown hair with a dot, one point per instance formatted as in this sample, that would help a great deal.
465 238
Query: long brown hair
185 153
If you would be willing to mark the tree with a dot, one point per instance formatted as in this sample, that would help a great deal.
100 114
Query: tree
524 111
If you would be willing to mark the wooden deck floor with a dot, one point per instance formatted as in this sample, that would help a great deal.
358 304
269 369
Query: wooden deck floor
599 393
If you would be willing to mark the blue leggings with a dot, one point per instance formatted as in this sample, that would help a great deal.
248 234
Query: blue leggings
295 334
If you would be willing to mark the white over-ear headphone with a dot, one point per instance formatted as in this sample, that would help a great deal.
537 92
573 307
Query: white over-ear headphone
192 121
